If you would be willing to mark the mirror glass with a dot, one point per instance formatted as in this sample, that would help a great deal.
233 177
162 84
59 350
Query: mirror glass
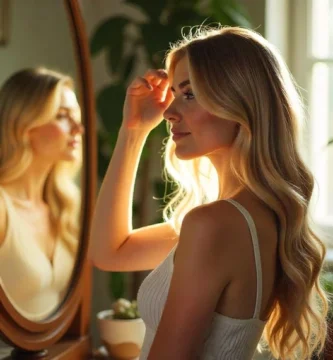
41 141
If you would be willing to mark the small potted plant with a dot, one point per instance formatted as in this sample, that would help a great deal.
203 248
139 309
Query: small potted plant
122 330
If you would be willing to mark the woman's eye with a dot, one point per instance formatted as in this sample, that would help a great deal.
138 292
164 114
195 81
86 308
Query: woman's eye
188 95
62 116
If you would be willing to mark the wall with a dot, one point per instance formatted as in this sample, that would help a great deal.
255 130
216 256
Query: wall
39 35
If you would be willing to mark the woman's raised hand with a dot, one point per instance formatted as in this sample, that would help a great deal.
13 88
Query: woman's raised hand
146 100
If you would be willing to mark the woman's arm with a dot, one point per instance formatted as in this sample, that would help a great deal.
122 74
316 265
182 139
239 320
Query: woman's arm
114 246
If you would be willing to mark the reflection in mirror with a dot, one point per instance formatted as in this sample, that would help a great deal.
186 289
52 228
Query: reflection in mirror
40 156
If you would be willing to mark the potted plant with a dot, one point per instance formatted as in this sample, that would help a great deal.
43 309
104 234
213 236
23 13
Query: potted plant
122 330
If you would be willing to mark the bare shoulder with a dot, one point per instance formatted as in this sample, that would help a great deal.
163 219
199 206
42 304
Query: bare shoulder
217 221
211 229
3 220
221 227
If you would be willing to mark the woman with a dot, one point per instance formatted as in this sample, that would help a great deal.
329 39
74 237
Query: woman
235 260
40 154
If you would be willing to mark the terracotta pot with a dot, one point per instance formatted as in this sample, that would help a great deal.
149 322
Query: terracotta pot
123 339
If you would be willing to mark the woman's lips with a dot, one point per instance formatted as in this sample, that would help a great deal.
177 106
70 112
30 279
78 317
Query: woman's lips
177 136
74 143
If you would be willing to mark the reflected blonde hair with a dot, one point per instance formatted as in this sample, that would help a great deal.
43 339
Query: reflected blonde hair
239 76
30 98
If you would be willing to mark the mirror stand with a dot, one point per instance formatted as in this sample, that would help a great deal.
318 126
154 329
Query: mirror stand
19 354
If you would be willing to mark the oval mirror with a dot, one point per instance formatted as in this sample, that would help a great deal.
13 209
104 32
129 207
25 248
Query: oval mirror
47 110
40 159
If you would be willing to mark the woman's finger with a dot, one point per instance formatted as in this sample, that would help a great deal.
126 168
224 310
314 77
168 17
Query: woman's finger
156 76
168 98
140 81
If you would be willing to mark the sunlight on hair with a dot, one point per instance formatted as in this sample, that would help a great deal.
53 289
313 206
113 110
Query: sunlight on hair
239 76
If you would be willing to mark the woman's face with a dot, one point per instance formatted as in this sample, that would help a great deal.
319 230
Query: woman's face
205 133
60 138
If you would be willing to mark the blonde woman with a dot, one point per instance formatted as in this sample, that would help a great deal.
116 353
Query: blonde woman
236 263
40 154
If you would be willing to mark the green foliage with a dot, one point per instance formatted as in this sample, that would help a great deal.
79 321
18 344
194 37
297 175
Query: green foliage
327 283
123 39
117 285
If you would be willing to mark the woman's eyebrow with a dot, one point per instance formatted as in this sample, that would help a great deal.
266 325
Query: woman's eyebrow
64 108
67 108
181 85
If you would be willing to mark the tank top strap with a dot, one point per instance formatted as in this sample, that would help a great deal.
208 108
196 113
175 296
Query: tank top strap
257 257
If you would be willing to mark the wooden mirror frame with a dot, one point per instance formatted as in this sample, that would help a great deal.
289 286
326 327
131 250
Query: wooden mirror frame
71 322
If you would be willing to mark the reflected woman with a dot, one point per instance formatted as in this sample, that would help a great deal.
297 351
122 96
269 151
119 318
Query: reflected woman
40 155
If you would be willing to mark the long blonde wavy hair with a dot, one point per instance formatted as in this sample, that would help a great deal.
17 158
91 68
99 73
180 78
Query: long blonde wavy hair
30 98
239 76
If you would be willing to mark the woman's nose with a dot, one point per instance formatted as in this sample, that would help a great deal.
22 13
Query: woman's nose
77 127
171 114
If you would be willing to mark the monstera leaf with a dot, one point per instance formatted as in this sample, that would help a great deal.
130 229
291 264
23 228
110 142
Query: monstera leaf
153 9
115 28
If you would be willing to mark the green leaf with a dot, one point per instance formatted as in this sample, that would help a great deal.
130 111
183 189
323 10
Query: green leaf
152 8
109 104
129 66
160 189
114 55
189 4
107 34
184 17
117 284
103 160
330 142
160 130
237 17
228 12
157 38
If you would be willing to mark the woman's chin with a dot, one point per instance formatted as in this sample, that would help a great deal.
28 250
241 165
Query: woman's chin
70 157
186 155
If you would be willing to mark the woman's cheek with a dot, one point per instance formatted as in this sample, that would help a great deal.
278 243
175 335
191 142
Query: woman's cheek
64 126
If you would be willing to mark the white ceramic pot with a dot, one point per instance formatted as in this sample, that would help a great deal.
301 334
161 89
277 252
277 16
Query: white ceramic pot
122 338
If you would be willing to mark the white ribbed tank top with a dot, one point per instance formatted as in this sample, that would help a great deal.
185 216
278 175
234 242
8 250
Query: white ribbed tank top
227 338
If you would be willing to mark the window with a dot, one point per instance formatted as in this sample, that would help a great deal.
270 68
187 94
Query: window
303 31
320 100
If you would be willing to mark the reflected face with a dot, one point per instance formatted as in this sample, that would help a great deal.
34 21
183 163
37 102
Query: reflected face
203 134
60 138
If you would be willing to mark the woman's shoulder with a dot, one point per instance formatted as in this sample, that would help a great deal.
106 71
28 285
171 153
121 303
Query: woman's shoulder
222 220
215 215
216 224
